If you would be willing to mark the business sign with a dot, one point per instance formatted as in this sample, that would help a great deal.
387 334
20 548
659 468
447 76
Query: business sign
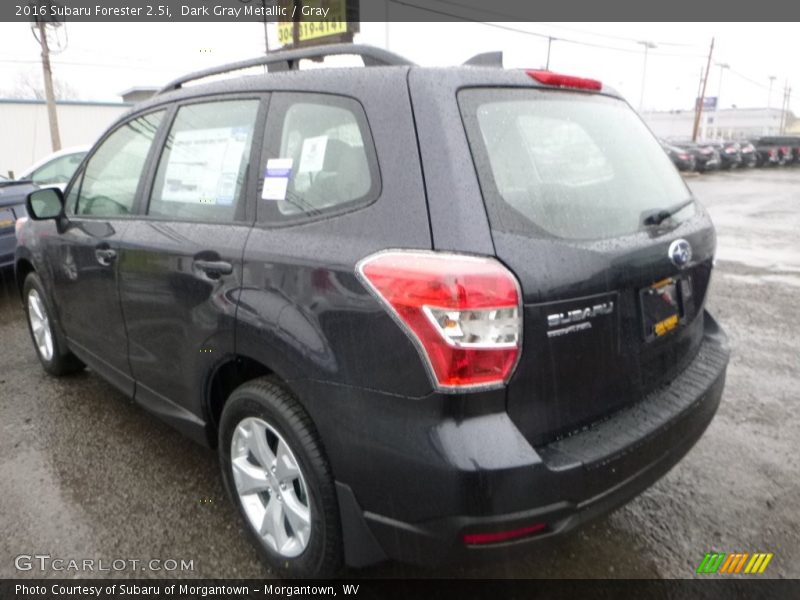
709 103
315 22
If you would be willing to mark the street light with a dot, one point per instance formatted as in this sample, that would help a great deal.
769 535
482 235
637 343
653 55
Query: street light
647 46
722 67
769 94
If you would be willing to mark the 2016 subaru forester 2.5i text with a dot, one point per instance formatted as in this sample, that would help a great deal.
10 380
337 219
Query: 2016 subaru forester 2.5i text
423 314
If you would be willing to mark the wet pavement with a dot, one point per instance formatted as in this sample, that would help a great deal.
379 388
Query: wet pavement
86 474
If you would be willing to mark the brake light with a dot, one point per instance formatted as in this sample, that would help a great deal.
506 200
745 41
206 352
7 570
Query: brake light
569 81
462 312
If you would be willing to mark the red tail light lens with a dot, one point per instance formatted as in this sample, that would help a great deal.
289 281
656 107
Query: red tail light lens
550 78
462 312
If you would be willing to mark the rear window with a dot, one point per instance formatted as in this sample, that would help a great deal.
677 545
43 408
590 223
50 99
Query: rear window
567 165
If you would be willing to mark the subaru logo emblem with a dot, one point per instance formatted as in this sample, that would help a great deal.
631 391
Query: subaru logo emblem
680 253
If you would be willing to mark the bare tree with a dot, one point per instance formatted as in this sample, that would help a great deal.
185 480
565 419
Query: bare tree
29 86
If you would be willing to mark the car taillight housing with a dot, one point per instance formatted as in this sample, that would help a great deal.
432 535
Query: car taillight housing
463 313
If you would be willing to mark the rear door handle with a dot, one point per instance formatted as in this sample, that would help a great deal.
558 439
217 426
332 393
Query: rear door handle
214 268
105 256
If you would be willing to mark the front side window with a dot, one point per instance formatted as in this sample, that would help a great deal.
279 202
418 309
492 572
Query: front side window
568 165
202 169
112 175
320 157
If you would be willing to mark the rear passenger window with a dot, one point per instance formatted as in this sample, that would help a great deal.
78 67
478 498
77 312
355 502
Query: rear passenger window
320 157
203 166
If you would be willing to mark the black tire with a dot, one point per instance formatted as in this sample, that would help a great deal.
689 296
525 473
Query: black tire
266 399
62 361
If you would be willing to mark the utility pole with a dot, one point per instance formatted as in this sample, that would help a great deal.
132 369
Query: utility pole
549 45
722 67
699 108
266 36
769 93
55 138
647 46
296 24
787 91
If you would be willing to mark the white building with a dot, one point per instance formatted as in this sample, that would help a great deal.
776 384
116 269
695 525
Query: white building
727 123
25 129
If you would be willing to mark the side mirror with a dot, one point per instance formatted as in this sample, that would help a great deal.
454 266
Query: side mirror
45 204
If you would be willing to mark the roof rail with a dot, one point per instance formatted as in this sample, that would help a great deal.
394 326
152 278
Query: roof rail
486 59
286 60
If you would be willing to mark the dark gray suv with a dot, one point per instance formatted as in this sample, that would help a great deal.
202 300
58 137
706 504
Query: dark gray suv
423 314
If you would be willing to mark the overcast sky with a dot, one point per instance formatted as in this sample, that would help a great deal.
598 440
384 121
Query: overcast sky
103 59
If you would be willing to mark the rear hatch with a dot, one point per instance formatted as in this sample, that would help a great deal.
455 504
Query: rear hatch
576 190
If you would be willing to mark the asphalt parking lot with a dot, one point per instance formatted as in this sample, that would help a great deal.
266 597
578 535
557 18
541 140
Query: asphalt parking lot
86 474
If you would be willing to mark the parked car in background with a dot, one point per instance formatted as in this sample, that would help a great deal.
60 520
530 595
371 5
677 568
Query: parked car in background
788 148
749 154
785 155
706 157
767 152
12 208
56 169
730 153
681 158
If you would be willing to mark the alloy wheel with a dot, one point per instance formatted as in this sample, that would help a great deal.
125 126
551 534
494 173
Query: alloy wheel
40 325
271 487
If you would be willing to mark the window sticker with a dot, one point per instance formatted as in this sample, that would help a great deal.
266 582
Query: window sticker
204 166
312 157
276 178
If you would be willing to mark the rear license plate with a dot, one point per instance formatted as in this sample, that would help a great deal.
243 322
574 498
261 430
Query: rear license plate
662 308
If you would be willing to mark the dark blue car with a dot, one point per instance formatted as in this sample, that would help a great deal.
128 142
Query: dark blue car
12 207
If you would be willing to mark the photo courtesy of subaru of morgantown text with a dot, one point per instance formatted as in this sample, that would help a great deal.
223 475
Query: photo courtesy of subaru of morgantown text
423 314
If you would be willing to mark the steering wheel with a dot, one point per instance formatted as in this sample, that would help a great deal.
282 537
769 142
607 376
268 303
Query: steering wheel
120 209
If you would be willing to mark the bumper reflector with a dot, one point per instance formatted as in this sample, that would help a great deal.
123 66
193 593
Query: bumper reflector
476 539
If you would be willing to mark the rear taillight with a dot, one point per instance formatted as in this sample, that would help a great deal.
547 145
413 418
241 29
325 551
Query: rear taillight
568 81
462 312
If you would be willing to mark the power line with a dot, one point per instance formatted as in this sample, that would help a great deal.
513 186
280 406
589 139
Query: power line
534 33
88 64
618 37
752 81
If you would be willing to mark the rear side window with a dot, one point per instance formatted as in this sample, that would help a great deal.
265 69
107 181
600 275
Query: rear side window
202 169
320 157
112 175
567 165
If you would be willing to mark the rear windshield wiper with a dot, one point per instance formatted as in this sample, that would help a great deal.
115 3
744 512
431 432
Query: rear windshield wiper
662 215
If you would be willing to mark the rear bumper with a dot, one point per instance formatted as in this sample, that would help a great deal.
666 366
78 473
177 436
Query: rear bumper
561 485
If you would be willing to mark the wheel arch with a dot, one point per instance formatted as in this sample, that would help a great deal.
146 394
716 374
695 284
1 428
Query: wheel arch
228 375
22 268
